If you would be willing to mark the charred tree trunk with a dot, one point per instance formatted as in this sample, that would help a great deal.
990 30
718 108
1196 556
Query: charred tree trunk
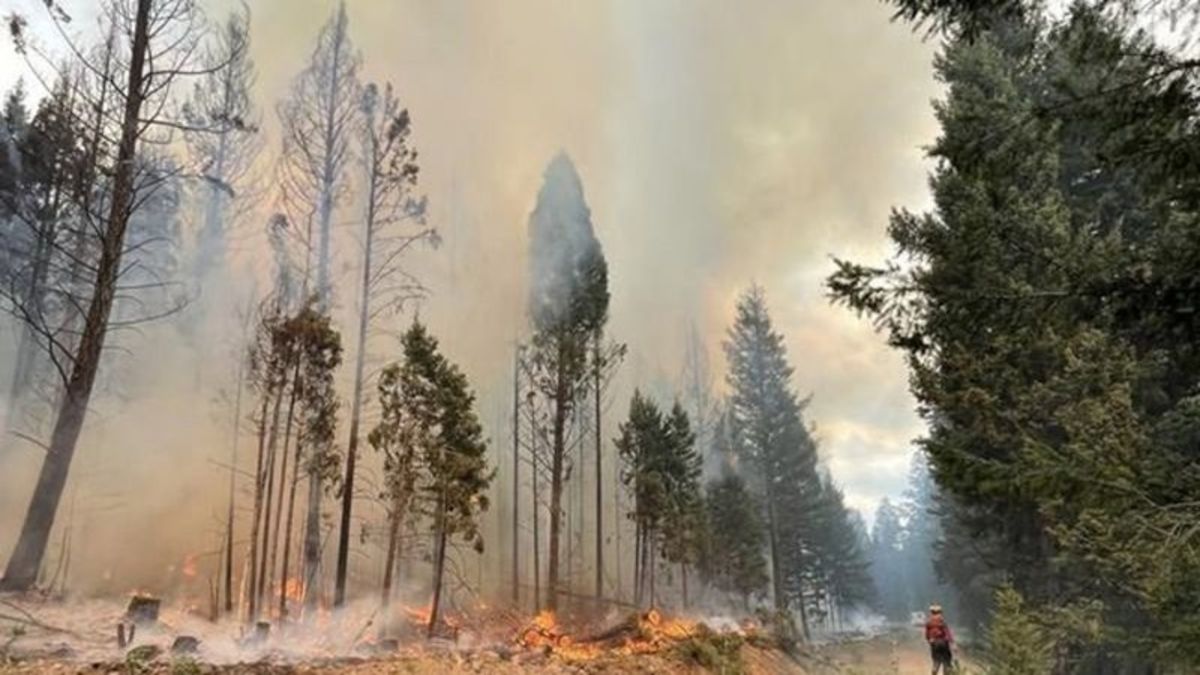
393 550
283 469
26 559
599 478
516 479
287 530
312 540
364 298
558 449
237 416
265 572
439 567
773 542
256 517
537 540
683 576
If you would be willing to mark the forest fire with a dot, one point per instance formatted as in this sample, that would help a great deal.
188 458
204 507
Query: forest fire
640 633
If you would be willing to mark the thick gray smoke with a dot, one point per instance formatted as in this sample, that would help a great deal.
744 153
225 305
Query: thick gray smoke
564 253
721 143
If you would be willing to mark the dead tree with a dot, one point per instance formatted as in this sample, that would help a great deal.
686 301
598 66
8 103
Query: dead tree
394 222
159 38
222 140
319 118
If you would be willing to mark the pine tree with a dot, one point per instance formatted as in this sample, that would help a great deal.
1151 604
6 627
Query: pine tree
430 420
771 445
568 307
733 560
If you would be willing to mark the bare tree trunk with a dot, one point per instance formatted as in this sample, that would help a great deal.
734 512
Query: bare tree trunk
265 572
312 541
556 482
651 564
389 569
772 538
237 417
256 518
537 543
599 479
683 574
364 311
287 530
26 559
439 566
516 479
283 469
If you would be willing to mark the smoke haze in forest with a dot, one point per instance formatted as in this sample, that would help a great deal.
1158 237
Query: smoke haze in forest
719 144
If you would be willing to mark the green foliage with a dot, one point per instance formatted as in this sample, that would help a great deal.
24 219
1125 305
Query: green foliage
1017 643
1047 309
184 665
733 560
663 467
718 653
434 451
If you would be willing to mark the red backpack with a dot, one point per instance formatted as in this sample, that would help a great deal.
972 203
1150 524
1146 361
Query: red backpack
935 630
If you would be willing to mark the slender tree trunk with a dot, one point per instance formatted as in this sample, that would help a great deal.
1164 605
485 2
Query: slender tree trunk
537 539
556 480
287 530
516 479
312 541
264 572
599 479
803 615
364 299
237 417
778 598
637 563
651 564
256 518
439 566
26 560
683 574
283 472
389 568
617 522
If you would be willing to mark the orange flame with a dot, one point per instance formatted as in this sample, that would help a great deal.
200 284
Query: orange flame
293 589
189 566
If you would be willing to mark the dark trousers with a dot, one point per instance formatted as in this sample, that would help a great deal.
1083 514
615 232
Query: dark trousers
942 657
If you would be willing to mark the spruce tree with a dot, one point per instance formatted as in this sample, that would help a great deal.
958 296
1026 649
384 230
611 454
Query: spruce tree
771 445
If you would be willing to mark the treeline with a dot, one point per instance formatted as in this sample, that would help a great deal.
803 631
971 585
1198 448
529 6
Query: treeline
124 198
905 538
1046 305
131 192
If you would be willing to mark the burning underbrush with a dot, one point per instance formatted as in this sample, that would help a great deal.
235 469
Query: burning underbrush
158 636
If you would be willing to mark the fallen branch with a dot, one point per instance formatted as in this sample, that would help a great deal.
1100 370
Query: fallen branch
31 620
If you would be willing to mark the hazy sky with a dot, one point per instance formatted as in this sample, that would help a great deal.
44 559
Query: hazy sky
720 144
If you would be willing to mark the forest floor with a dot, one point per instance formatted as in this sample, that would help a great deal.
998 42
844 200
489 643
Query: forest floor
79 638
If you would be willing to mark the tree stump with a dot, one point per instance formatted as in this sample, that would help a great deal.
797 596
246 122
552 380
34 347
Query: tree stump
143 609
185 644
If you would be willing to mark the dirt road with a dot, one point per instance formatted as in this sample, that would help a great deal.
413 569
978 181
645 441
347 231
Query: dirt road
894 654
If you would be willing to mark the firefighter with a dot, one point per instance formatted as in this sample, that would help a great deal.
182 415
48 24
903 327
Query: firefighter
940 639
